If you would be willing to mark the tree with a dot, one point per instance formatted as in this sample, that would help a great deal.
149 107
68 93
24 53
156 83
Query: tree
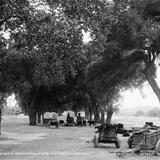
9 11
133 41
46 55
14 12
2 103
148 11
46 50
113 35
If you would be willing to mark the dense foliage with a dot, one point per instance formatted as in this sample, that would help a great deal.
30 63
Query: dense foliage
48 66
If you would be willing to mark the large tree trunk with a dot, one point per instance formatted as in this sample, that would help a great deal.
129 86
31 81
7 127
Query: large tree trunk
90 113
109 117
154 86
32 114
109 113
96 114
32 107
152 81
95 107
87 114
43 118
38 117
26 108
32 118
102 117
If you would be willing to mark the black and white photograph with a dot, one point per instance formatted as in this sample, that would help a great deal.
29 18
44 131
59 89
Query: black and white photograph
79 79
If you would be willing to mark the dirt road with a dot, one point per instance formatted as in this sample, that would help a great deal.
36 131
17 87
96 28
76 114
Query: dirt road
19 141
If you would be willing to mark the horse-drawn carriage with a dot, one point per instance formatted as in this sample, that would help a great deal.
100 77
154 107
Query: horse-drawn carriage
144 139
50 119
81 121
67 118
106 134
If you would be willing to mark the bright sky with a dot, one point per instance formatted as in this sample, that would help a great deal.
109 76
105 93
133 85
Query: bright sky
136 98
86 36
11 101
145 97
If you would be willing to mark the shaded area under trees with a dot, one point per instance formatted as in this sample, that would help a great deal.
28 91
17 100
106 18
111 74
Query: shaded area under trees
47 65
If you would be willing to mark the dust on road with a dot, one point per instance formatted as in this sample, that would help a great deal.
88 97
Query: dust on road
19 141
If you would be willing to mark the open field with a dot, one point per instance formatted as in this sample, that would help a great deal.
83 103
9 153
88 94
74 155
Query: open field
19 141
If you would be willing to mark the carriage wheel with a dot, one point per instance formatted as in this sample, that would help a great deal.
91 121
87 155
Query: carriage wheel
117 144
95 140
130 142
57 125
130 145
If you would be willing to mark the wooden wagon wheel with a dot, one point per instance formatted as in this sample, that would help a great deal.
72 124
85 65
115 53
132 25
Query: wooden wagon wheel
95 140
117 144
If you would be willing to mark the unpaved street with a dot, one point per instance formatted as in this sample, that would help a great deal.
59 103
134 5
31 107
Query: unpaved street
19 141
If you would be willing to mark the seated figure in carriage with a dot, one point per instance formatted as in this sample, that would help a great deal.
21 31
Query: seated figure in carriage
70 120
81 120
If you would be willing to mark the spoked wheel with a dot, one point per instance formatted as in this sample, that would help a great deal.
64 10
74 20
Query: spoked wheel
95 140
47 124
57 126
117 143
130 145
130 142
61 123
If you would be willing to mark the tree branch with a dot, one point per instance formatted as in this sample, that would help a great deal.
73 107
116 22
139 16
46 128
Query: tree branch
2 21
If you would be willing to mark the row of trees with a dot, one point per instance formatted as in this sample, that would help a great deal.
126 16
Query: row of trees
47 65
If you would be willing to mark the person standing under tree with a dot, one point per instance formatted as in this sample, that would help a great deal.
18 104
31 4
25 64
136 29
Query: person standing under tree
68 118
